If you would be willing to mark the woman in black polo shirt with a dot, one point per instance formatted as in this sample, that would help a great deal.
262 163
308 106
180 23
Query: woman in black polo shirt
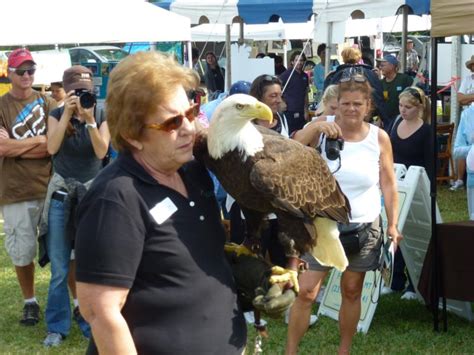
152 275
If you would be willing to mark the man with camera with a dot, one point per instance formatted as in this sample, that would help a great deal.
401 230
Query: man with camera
25 171
77 141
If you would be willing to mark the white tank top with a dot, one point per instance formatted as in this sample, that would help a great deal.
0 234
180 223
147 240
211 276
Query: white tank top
359 175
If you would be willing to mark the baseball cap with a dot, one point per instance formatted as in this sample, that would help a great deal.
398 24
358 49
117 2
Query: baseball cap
409 40
77 77
18 57
388 58
240 87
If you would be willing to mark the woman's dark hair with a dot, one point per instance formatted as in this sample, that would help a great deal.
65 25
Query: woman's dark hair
257 89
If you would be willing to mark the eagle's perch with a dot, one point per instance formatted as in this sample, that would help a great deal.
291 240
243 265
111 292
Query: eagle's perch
268 173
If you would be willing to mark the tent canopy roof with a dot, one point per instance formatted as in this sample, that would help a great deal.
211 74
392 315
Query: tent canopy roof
122 21
250 11
452 17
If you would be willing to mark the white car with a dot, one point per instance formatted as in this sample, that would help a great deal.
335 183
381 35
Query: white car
96 54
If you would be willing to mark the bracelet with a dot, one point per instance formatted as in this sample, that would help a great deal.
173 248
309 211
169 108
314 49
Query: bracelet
91 125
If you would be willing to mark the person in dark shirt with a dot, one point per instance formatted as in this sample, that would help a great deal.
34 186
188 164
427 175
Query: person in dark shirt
351 57
151 270
412 145
393 83
295 92
279 66
213 77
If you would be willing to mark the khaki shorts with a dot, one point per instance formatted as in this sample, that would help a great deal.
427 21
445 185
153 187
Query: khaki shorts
369 258
21 230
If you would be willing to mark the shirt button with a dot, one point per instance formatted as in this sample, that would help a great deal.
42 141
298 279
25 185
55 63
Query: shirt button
191 203
201 218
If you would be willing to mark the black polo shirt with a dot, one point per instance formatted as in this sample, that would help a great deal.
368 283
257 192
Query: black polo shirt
296 90
168 250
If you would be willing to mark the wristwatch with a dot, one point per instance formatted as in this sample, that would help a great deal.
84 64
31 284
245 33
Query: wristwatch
91 125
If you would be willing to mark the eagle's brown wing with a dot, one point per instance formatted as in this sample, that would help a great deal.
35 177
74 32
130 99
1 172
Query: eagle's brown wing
297 180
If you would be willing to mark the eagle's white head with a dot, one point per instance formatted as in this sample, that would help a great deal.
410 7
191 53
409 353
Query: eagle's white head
231 127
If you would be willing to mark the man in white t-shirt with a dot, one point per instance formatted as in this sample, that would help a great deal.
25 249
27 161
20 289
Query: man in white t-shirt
465 98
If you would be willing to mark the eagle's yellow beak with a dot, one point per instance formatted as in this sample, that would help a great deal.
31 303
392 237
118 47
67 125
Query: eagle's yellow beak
261 111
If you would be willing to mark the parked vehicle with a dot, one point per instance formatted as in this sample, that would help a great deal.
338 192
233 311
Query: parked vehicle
96 54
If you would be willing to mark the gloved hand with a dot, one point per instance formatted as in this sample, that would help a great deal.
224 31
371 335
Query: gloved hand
252 275
274 300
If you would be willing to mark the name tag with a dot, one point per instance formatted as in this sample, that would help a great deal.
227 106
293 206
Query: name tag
163 210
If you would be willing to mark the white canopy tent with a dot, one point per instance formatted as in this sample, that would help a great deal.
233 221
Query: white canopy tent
271 31
373 26
89 21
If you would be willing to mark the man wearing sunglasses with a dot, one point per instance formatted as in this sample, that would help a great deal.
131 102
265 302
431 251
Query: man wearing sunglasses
25 171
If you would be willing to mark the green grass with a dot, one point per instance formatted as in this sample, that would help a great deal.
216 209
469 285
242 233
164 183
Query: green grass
398 327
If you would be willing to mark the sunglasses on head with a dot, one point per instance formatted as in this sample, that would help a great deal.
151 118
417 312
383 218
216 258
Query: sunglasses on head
271 78
175 122
21 72
414 92
358 78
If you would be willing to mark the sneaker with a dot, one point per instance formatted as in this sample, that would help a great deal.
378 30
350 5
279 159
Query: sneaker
457 185
409 295
52 340
385 291
250 318
313 319
30 314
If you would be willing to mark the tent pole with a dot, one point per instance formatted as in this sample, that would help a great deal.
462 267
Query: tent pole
403 50
327 62
456 55
437 277
189 49
228 73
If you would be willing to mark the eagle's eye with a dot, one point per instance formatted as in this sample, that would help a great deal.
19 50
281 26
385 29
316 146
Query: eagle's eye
239 106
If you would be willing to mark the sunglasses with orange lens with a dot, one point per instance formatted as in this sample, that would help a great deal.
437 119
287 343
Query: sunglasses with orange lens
175 122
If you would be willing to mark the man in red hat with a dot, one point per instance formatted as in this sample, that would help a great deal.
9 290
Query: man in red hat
25 171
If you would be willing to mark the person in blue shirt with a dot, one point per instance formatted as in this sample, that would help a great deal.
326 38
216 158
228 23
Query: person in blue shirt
319 71
462 144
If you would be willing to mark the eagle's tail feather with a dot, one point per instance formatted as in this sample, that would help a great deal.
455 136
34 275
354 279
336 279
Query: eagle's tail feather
329 250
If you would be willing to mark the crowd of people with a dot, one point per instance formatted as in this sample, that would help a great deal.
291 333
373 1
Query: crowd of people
140 243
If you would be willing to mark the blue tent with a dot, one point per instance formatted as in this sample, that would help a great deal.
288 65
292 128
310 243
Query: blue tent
251 11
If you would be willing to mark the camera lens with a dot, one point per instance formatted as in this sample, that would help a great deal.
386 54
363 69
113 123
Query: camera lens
87 99
333 148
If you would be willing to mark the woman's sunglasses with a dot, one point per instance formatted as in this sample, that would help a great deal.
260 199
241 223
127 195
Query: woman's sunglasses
174 123
21 72
358 78
271 78
414 92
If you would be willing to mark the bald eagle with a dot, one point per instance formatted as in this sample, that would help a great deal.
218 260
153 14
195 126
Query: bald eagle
268 173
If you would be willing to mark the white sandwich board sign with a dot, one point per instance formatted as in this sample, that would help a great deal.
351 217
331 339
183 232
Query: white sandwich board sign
414 221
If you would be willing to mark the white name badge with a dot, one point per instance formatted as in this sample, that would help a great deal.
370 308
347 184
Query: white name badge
163 210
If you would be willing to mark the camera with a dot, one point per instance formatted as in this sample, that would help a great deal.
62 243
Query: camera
334 147
86 98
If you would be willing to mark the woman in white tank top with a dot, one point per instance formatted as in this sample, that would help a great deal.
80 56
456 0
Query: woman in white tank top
366 165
